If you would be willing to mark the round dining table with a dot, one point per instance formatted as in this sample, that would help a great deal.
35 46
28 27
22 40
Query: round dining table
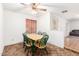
34 38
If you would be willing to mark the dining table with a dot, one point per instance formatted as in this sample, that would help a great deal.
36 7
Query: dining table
34 37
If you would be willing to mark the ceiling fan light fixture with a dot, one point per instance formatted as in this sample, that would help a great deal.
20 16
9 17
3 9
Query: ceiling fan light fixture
34 12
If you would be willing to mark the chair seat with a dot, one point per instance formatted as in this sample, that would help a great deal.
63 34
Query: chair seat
28 45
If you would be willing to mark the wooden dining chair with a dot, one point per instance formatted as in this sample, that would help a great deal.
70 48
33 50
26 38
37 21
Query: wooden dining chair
27 43
40 33
41 44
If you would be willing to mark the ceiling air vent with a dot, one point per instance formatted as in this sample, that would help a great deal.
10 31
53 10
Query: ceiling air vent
64 11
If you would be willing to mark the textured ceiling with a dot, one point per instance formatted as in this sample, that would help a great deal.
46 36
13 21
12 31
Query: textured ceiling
73 8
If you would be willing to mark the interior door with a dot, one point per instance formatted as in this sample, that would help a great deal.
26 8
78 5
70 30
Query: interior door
31 26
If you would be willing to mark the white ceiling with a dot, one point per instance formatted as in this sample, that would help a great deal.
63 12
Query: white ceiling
73 8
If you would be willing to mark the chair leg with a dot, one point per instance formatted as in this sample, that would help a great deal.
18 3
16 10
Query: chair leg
28 50
46 51
25 48
42 52
23 45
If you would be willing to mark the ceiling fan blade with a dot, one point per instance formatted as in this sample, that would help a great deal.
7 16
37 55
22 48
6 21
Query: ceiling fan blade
42 9
35 4
27 6
23 4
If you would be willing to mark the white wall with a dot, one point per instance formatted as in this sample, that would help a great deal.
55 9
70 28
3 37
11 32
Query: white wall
74 25
67 28
59 35
56 37
1 30
43 22
14 26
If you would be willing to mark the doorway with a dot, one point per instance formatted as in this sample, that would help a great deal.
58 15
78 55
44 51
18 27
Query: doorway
31 26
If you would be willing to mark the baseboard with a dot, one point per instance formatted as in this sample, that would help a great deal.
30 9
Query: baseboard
13 43
71 50
1 51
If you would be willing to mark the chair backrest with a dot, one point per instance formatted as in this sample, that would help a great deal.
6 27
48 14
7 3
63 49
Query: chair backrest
43 40
40 33
26 39
44 33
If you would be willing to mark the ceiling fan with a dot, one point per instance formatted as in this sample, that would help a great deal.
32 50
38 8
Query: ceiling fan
35 6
